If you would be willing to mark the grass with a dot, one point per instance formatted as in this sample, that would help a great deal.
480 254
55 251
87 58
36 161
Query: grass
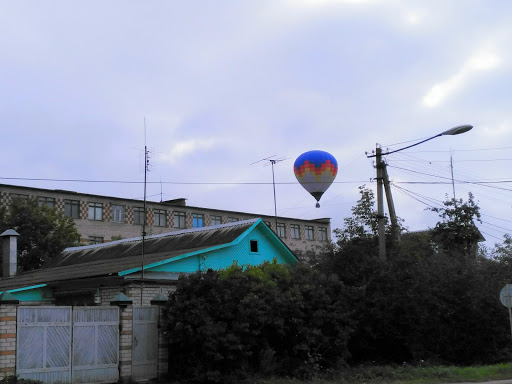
406 375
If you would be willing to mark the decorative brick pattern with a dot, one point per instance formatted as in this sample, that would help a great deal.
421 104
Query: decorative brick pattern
59 204
107 212
150 216
84 210
189 221
129 215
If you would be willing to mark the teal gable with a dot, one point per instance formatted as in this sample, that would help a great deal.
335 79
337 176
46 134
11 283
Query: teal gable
256 245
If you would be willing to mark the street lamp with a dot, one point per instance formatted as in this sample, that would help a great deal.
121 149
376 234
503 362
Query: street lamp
383 181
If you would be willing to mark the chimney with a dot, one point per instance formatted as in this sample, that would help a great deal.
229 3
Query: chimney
10 252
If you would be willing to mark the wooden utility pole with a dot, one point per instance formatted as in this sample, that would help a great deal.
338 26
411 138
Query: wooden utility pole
379 165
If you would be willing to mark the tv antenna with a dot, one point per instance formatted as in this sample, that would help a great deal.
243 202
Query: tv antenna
272 161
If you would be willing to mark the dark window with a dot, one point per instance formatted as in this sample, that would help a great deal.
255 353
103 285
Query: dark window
160 217
72 208
281 230
233 219
179 220
310 232
48 201
138 215
118 213
95 239
197 220
95 211
216 220
18 196
322 234
295 231
254 246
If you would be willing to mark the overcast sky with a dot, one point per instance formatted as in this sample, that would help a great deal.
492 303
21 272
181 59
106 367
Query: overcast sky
222 84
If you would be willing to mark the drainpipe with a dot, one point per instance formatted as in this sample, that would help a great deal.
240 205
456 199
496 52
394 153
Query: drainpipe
10 252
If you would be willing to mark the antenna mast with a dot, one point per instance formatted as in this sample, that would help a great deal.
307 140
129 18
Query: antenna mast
146 166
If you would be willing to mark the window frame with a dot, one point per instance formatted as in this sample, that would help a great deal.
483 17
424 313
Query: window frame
253 246
181 218
197 218
295 231
281 227
215 220
322 234
139 213
72 204
233 219
116 210
309 232
95 239
162 215
96 207
44 200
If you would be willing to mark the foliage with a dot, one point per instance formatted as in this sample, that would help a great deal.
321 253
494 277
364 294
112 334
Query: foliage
44 232
13 379
269 319
457 233
434 299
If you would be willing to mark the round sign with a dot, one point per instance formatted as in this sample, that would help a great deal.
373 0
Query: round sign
506 296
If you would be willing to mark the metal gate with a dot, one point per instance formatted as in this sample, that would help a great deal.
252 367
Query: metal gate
43 350
95 344
145 343
65 345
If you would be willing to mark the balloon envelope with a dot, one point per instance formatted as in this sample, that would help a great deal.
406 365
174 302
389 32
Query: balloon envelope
316 170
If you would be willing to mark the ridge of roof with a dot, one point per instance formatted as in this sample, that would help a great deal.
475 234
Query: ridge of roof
163 235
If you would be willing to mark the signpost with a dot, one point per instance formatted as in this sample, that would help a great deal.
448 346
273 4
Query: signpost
506 300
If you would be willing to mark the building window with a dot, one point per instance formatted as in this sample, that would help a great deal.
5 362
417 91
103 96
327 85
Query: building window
310 232
322 234
95 239
281 230
254 246
95 211
72 208
197 220
138 215
18 196
233 219
216 220
160 217
118 213
48 201
179 220
295 231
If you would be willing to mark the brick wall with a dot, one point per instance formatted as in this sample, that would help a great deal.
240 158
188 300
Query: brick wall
7 340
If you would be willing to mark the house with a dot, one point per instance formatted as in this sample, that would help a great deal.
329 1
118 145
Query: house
101 218
89 315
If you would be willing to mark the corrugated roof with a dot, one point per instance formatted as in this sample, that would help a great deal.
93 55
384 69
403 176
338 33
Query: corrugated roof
111 258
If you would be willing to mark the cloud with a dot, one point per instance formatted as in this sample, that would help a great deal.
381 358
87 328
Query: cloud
184 148
484 61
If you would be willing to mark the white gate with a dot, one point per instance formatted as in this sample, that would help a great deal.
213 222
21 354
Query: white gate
43 350
145 343
61 345
95 344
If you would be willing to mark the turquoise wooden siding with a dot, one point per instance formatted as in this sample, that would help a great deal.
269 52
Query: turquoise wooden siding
38 293
269 248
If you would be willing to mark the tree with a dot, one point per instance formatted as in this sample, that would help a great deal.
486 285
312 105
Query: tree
457 234
44 232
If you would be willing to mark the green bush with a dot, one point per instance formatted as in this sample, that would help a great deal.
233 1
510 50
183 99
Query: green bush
227 326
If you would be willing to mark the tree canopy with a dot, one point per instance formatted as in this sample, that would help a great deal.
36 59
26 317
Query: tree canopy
44 232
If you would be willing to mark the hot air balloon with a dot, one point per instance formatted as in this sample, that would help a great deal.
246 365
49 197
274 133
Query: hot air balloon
316 170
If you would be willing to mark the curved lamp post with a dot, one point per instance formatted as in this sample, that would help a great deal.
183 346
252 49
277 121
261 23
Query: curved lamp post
383 180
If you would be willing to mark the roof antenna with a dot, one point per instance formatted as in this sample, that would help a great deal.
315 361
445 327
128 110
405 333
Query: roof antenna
273 161
146 168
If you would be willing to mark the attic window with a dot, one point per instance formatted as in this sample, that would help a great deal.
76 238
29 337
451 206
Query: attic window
254 246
